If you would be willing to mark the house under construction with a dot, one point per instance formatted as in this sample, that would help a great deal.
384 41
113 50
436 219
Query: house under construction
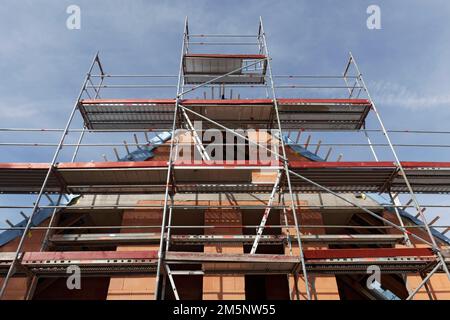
170 220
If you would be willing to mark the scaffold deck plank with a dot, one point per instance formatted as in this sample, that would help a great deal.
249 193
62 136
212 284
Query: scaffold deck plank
150 177
26 178
295 114
200 68
323 114
396 260
425 177
135 238
127 114
134 177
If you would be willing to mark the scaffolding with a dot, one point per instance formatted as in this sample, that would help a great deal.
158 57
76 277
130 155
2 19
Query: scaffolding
168 179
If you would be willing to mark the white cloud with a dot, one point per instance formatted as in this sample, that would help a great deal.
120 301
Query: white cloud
390 93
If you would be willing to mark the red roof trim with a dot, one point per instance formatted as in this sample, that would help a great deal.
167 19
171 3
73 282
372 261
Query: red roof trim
324 101
88 255
122 101
225 101
150 164
112 165
367 253
31 166
234 56
154 164
310 254
412 165
367 164
347 164
225 163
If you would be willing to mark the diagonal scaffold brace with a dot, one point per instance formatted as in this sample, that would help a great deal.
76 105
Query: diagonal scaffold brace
399 165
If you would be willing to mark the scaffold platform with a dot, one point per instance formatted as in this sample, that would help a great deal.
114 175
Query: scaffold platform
150 177
295 114
238 68
318 261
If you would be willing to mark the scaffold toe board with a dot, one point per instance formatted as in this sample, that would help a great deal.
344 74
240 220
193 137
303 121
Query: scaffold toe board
323 114
295 114
424 177
200 68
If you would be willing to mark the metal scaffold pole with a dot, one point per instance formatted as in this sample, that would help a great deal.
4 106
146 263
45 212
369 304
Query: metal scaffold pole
162 247
285 161
35 209
97 96
393 198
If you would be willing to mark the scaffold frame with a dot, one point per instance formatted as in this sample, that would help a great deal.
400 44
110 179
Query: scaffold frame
181 114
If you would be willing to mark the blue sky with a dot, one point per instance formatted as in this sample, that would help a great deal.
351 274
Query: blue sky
405 64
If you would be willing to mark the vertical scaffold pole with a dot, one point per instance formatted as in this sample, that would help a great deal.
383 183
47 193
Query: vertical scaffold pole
285 161
161 251
97 96
12 267
169 228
